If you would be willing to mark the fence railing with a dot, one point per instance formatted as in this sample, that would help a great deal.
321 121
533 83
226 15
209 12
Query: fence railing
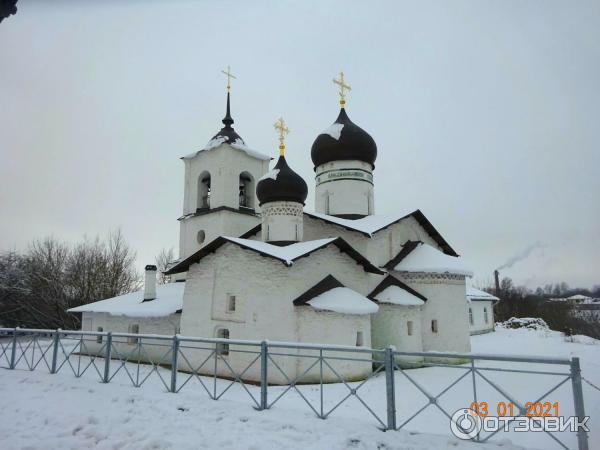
267 372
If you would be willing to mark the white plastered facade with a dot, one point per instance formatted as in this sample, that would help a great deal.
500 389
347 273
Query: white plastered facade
344 187
479 311
224 164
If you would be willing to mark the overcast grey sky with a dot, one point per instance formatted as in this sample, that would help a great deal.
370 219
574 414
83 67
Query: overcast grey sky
486 115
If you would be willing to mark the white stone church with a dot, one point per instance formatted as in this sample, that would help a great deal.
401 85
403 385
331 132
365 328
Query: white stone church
255 265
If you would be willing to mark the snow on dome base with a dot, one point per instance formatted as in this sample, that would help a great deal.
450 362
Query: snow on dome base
343 300
398 296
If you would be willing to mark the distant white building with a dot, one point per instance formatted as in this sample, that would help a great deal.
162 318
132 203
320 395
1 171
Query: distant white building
253 264
481 310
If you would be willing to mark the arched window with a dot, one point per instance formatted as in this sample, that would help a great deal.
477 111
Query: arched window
246 190
203 191
471 316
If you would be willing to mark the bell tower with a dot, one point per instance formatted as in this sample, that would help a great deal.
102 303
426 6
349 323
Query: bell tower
219 190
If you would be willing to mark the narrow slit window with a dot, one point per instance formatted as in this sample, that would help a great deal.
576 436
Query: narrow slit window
471 316
485 315
99 338
409 327
222 348
231 303
359 339
134 328
434 326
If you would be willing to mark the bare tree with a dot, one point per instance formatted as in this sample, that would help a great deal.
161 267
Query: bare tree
163 261
37 288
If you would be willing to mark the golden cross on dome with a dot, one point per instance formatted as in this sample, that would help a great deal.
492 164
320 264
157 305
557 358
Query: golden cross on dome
229 77
282 130
342 86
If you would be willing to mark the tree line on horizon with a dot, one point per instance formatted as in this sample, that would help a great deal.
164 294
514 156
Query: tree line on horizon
520 301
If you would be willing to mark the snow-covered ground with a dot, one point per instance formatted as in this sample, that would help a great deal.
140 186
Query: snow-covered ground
60 411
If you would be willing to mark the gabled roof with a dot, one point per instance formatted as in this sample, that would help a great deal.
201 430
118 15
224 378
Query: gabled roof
169 300
371 225
391 281
418 257
331 295
286 254
327 283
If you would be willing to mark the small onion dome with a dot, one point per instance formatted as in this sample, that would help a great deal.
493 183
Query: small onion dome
343 141
281 184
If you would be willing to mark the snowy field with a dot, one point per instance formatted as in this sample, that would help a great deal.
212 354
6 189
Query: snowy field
60 411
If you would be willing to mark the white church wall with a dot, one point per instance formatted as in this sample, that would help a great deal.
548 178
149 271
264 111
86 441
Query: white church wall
195 232
282 221
478 308
224 164
446 305
326 327
344 187
123 347
391 326
266 288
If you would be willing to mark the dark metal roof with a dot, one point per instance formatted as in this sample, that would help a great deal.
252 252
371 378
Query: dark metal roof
287 185
393 281
407 248
326 284
227 132
354 144
214 245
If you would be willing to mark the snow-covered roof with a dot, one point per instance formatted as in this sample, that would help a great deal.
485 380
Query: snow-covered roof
343 300
238 144
169 300
286 254
476 294
335 130
578 297
369 225
398 296
424 258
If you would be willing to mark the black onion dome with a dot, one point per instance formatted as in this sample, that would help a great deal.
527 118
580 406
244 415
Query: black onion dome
354 143
281 184
227 134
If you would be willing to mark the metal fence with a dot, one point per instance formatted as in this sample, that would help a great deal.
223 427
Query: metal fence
267 372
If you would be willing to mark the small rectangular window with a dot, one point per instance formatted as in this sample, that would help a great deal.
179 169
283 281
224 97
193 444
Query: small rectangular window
134 328
359 339
471 316
230 303
409 327
434 326
99 338
485 315
223 349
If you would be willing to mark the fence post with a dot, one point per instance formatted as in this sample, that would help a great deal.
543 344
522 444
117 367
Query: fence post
106 377
264 354
55 350
174 354
582 438
13 352
390 388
